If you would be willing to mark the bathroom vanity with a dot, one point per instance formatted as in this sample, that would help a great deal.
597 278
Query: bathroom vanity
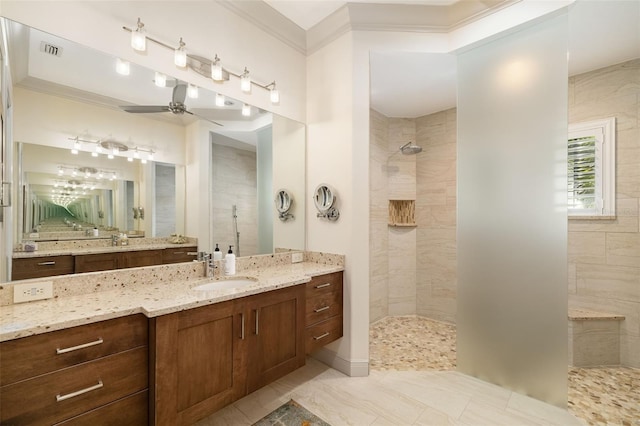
162 352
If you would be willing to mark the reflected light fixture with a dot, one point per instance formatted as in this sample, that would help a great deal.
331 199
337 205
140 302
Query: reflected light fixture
180 55
192 91
216 69
246 110
76 147
274 95
219 100
123 67
160 80
245 81
129 158
139 38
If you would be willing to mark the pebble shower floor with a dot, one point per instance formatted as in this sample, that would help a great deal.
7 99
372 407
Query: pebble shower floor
599 396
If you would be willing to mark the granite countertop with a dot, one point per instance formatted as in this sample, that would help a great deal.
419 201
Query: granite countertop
152 300
97 250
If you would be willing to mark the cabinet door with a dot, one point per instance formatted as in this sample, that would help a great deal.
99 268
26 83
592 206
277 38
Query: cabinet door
200 362
277 340
97 262
134 259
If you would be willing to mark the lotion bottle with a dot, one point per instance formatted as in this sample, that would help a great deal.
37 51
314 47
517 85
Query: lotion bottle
217 254
230 263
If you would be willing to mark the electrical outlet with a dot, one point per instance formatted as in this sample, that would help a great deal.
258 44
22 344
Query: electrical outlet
296 257
32 291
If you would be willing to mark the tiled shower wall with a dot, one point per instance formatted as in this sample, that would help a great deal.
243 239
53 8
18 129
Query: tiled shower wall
604 255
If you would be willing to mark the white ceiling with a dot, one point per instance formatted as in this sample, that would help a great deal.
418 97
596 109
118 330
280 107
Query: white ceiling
307 13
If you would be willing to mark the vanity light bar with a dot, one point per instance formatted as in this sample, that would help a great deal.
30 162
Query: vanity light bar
205 67
112 152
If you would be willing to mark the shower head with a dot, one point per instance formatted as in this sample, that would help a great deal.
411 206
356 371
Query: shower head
409 149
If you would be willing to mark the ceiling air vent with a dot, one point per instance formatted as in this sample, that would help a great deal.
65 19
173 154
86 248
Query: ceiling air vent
51 49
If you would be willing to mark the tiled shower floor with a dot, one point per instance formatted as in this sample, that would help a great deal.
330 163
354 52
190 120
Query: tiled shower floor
600 396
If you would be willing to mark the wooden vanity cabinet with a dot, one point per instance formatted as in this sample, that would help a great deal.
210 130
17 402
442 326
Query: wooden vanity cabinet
44 266
117 260
76 375
324 304
208 357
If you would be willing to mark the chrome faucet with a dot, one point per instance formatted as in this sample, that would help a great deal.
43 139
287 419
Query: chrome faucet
114 239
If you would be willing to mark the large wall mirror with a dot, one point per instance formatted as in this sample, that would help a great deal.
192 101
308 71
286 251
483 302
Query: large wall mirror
75 107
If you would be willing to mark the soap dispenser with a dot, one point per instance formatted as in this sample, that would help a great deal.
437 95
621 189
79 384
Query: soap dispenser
230 263
217 254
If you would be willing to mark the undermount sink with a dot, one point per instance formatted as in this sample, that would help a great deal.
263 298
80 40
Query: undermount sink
226 283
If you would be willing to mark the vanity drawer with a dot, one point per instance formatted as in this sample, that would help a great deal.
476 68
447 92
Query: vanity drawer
135 259
97 262
130 411
66 393
324 306
38 267
324 284
179 254
322 333
34 355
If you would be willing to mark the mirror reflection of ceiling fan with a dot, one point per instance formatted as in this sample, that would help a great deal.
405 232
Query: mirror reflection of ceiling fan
176 106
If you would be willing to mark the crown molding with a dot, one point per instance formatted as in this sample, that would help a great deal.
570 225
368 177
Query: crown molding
270 21
365 17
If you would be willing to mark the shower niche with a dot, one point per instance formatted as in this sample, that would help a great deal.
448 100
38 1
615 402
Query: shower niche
402 213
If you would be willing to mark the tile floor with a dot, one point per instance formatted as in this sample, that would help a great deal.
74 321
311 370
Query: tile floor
389 397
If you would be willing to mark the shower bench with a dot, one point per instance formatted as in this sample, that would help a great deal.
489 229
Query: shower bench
594 338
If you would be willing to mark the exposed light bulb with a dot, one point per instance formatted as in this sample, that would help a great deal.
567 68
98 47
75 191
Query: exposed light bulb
129 159
138 38
100 175
246 110
274 95
161 79
219 100
180 55
150 156
94 154
143 160
216 69
74 173
110 156
76 147
136 154
123 67
192 91
87 175
245 81
60 171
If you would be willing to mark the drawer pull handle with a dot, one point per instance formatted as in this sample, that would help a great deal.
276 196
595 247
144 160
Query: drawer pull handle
51 262
323 285
80 392
82 346
324 308
257 320
178 252
242 328
322 336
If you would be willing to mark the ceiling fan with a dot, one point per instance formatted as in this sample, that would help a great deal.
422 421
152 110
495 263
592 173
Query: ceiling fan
176 106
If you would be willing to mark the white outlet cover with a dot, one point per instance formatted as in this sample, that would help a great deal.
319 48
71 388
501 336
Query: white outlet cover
29 292
296 257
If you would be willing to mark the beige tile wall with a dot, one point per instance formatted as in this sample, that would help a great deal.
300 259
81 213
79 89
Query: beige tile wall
436 216
234 182
604 255
378 219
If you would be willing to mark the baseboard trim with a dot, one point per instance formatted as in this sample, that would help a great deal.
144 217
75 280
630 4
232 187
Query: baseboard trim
350 368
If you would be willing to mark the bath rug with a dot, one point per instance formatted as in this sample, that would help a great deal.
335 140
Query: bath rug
291 414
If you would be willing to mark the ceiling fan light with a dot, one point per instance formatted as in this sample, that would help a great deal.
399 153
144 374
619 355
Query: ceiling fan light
192 91
123 67
219 100
246 110
138 38
161 79
180 55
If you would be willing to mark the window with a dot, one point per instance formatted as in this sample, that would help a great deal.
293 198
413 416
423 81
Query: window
591 168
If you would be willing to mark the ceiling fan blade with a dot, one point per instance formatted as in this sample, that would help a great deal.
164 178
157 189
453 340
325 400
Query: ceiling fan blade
179 93
204 118
142 109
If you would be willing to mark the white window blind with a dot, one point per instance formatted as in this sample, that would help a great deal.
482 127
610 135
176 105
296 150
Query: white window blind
591 168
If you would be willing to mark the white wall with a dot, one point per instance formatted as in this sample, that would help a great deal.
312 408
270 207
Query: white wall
206 27
288 149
